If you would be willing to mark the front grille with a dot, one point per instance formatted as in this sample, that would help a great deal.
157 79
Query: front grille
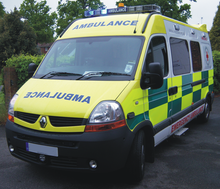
64 162
54 120
30 118
27 155
67 162
66 121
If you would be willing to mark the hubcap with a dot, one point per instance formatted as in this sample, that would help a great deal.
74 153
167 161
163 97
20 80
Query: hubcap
142 157
207 110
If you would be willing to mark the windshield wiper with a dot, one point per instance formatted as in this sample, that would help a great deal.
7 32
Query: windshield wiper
91 74
53 73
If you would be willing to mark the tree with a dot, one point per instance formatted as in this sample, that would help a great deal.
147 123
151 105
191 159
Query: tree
169 8
67 12
40 19
2 11
71 10
215 32
16 36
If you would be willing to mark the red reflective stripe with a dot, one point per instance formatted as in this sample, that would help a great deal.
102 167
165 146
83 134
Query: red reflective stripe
186 119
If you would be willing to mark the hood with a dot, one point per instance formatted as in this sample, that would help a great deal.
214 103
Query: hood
66 98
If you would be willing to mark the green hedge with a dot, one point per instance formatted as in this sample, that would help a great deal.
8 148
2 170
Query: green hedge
20 63
216 60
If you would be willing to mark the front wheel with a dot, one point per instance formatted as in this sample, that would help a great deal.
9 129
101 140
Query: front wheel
136 161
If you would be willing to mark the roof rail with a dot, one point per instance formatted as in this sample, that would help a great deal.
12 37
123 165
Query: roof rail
147 20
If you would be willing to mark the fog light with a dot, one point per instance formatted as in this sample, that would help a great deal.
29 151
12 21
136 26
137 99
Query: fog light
42 158
11 148
93 164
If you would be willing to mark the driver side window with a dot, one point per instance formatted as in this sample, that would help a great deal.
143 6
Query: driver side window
157 52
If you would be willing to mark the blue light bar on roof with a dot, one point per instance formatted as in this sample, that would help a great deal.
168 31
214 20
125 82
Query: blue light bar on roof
104 11
121 10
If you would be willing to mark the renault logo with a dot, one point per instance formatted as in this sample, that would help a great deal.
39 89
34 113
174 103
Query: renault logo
43 122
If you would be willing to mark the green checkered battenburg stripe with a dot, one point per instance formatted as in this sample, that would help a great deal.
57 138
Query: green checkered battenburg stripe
159 97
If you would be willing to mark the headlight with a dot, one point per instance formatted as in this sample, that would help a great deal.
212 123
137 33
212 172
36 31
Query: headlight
106 111
11 108
107 115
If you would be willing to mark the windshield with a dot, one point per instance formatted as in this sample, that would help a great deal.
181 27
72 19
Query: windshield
92 58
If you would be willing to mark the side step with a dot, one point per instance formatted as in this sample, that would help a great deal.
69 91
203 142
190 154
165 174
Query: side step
180 131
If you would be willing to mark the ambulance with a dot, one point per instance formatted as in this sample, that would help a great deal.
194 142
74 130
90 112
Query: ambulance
111 88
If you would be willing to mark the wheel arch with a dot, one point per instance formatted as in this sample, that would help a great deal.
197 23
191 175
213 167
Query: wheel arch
147 127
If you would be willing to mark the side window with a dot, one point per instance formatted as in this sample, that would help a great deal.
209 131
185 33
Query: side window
196 56
157 52
180 56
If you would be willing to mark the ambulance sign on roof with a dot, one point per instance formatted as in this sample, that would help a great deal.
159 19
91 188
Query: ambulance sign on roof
104 11
117 10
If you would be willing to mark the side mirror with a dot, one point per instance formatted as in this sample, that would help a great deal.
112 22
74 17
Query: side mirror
31 69
153 78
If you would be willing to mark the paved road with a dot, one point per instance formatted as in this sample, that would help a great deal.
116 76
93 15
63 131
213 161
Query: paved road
189 162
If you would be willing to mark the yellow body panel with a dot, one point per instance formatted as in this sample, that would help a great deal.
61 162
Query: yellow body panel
132 99
177 81
158 114
49 127
186 101
204 91
211 75
56 100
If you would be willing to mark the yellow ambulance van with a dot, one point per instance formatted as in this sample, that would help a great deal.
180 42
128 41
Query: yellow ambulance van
112 87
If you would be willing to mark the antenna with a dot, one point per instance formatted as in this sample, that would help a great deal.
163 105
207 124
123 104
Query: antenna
135 31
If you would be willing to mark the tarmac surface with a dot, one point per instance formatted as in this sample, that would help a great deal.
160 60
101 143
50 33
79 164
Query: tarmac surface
189 162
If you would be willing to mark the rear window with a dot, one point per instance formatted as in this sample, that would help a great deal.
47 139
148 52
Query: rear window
196 56
180 56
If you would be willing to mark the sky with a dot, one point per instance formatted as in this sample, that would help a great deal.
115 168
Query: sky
203 11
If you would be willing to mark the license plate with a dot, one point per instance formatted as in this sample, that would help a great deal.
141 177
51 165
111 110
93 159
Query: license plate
42 149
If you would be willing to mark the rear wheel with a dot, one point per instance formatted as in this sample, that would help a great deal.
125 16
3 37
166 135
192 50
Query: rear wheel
136 161
204 117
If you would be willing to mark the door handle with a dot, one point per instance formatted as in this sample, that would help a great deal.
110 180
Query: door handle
173 90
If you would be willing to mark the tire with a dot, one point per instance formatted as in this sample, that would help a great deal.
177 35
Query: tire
204 117
136 162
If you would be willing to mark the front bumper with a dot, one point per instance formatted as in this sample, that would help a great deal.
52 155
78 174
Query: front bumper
109 149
